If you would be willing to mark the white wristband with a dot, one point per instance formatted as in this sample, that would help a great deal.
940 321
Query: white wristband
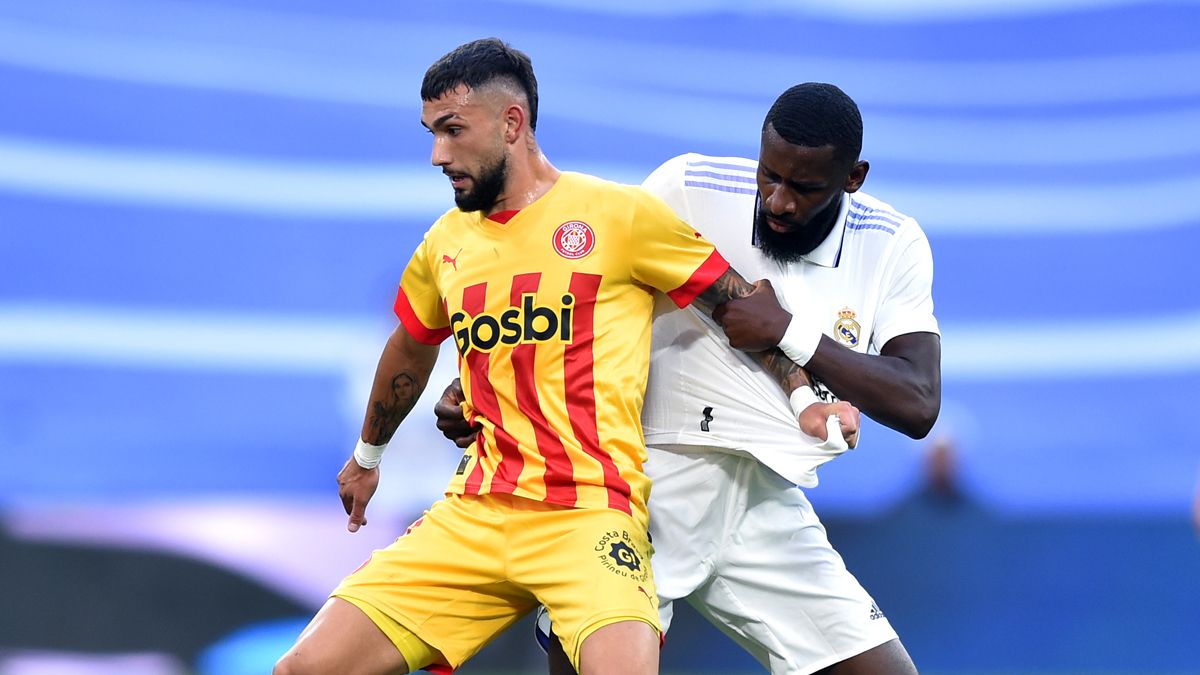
800 340
367 455
800 399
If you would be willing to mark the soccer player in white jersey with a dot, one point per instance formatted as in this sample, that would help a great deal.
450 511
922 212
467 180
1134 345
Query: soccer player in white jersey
733 532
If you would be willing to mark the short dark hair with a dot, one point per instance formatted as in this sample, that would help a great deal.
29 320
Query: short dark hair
481 62
815 114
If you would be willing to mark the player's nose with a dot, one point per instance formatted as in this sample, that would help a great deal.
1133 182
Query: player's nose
441 154
780 203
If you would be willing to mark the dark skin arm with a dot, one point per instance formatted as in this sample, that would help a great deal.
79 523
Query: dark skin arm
400 377
900 388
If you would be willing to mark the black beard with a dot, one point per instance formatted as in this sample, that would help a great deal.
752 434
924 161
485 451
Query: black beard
789 247
488 186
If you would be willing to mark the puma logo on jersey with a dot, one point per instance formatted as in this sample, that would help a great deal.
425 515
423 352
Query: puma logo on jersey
707 418
643 592
453 261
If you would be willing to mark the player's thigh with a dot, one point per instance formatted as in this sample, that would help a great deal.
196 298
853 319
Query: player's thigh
687 516
599 648
889 658
782 589
342 639
591 569
624 648
445 581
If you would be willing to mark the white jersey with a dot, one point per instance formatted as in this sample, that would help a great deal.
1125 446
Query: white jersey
869 281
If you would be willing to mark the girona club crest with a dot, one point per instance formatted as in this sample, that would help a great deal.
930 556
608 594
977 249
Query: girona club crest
574 239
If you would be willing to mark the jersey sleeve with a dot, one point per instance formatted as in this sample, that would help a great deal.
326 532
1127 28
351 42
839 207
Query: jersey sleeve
669 254
907 305
419 304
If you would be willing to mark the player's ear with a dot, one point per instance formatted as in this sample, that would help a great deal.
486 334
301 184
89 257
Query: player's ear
858 175
514 122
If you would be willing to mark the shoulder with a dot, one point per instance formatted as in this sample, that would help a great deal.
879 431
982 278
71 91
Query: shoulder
729 175
575 181
449 220
451 226
870 215
613 197
693 170
699 186
883 233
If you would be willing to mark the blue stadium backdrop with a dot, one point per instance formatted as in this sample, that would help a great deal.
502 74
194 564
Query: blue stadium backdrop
205 207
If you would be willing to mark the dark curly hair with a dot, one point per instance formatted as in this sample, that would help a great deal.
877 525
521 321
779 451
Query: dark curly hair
815 114
483 62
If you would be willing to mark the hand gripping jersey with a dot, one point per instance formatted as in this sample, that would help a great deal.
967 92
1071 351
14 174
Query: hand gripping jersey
869 281
550 314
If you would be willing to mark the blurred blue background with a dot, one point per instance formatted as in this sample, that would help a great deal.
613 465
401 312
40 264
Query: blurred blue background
205 208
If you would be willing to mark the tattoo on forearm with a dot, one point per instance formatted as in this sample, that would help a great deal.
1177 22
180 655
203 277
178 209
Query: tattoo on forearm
386 415
728 286
789 375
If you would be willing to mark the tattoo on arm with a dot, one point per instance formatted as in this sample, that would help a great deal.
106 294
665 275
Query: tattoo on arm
386 415
728 286
731 285
789 375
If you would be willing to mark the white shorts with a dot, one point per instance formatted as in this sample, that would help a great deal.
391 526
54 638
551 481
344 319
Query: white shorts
746 549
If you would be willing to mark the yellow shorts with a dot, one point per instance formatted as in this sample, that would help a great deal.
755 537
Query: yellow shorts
474 565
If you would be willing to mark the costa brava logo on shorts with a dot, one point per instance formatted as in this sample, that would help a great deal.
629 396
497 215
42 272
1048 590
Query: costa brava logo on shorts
516 325
618 555
574 239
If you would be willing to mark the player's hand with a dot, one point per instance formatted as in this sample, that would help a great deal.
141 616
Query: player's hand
356 486
450 419
814 421
756 322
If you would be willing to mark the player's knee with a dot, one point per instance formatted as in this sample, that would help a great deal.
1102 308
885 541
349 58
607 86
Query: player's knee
286 665
293 664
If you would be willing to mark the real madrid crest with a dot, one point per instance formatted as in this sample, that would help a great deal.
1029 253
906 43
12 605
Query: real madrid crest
574 239
846 329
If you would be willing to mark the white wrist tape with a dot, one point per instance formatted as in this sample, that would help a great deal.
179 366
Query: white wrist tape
801 399
368 456
800 340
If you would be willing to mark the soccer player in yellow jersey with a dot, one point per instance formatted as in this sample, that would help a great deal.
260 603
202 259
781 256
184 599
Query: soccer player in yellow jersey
544 282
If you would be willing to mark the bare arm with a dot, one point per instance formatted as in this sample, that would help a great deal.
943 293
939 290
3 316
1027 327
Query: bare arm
729 286
400 378
901 387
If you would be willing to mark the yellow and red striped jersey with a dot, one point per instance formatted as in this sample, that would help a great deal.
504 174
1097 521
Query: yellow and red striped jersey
550 313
